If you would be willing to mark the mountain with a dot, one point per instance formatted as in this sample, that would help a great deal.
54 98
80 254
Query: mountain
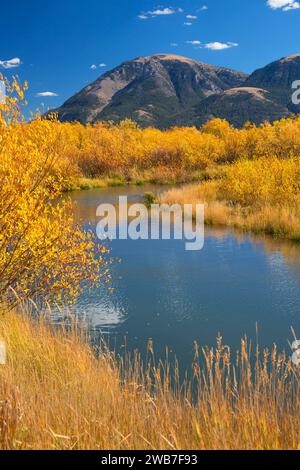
166 90
149 90
238 105
277 78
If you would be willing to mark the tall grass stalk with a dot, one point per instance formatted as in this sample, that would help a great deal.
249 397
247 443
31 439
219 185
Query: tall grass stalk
279 220
56 394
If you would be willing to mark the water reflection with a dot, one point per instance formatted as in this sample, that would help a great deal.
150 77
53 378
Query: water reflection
175 297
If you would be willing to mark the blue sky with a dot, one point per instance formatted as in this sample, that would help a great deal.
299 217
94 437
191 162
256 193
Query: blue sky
60 46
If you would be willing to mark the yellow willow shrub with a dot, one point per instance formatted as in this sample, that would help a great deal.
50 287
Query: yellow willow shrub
280 139
104 149
230 141
262 181
10 106
107 150
198 150
287 138
42 252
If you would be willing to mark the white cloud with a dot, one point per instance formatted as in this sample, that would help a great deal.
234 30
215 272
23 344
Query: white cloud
187 23
284 5
95 66
46 94
163 11
191 17
160 11
213 46
11 63
220 46
174 44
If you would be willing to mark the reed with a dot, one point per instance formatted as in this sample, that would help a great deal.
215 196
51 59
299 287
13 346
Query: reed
55 394
259 197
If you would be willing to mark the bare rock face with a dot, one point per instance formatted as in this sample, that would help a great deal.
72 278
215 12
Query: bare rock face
166 90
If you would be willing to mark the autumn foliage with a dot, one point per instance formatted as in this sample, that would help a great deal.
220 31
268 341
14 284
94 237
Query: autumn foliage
105 150
250 173
54 392
128 154
42 252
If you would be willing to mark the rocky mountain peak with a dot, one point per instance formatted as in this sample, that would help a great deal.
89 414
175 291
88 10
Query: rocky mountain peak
167 89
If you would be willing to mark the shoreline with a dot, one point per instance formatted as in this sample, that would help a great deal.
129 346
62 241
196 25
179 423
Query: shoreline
220 214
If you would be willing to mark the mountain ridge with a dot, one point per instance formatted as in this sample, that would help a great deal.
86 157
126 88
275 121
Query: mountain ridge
164 90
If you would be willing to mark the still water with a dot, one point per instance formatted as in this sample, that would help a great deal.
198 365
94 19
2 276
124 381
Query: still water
175 297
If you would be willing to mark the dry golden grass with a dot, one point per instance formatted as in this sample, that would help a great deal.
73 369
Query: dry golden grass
280 220
216 212
55 394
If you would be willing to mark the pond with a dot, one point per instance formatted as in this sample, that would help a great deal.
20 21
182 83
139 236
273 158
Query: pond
175 297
